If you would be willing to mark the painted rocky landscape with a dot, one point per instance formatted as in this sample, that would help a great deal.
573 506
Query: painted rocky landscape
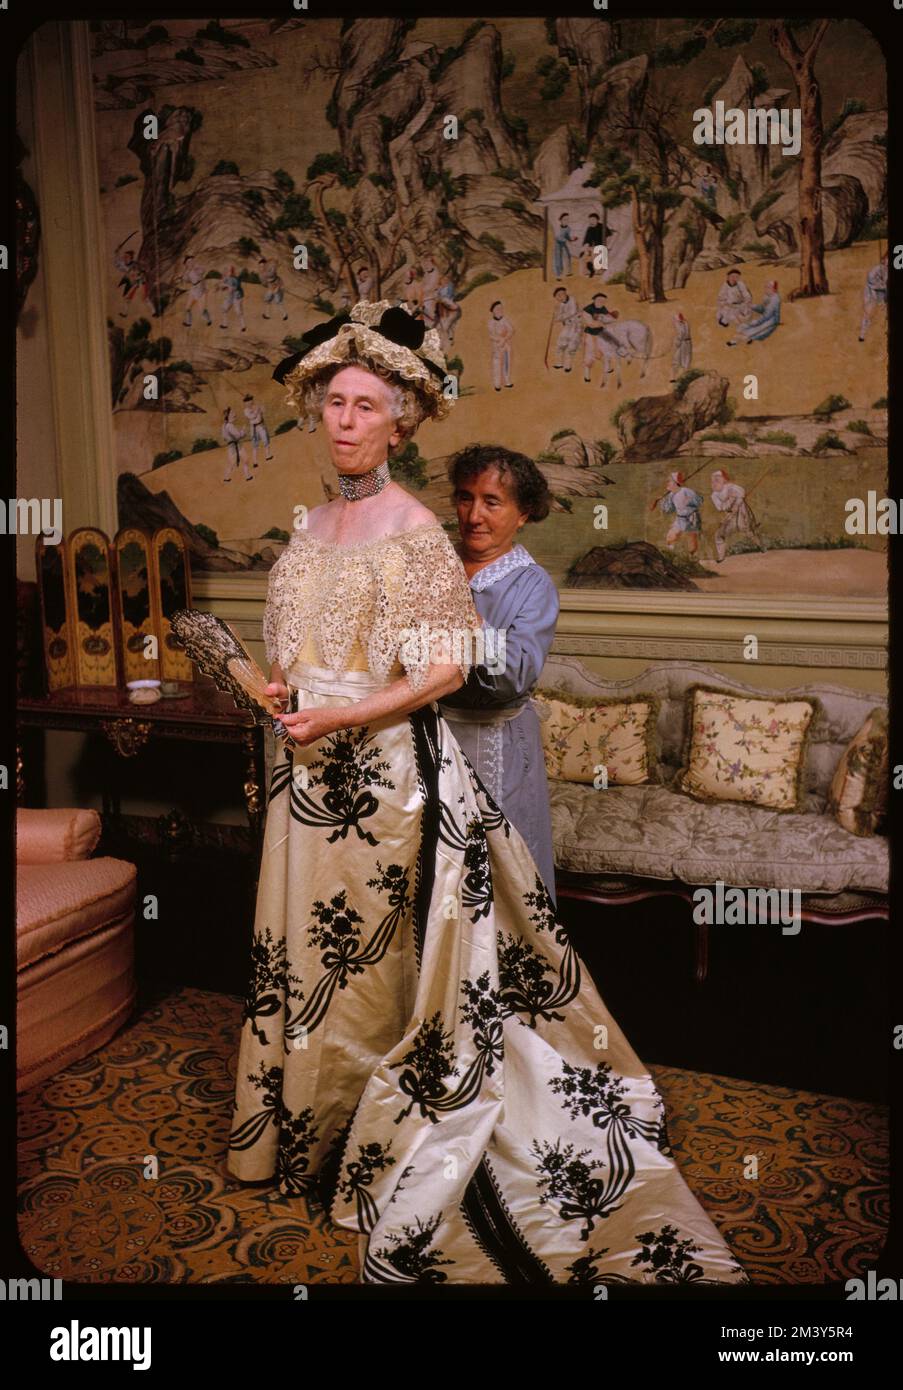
350 157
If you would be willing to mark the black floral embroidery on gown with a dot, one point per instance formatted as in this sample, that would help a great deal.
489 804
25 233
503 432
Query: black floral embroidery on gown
665 1257
422 1049
297 1133
591 1190
477 893
523 968
431 1059
271 983
371 1159
351 766
412 1255
336 931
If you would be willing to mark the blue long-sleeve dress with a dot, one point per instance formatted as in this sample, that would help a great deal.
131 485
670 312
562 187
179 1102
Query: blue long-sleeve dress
516 595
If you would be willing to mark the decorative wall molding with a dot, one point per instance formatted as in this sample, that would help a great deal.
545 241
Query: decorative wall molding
770 653
231 588
846 643
745 606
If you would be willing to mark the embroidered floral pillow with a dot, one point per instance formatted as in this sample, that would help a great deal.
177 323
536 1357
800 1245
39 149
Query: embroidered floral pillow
858 795
742 748
585 737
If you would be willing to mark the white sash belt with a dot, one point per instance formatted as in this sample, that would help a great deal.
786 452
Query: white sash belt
320 680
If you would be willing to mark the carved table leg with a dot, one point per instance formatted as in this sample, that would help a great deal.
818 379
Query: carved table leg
254 783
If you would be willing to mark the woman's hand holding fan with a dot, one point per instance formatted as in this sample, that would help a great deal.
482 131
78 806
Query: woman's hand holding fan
212 644
271 696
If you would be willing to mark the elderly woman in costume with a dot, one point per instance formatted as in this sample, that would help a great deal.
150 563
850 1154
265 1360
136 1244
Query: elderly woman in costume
415 1010
496 493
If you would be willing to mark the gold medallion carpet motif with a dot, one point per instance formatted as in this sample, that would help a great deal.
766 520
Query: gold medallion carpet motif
92 1207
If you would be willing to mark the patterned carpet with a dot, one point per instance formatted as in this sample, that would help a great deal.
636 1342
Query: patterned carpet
817 1210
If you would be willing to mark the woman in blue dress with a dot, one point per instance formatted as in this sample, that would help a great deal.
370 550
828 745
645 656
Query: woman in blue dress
496 492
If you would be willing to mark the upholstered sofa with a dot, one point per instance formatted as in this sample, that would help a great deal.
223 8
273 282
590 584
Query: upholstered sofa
627 842
74 941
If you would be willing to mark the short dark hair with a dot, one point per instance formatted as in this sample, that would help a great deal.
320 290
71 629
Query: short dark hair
595 214
527 483
559 289
493 304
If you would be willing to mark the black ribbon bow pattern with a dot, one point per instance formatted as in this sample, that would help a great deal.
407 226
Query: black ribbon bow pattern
396 324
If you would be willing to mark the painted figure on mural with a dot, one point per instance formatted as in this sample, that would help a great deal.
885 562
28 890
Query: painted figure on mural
682 349
448 312
874 295
593 237
708 187
194 275
734 300
133 279
737 518
233 295
274 289
410 293
684 504
595 314
259 432
233 436
430 281
766 318
364 283
564 239
501 339
567 314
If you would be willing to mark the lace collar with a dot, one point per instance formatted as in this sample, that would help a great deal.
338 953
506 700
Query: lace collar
514 559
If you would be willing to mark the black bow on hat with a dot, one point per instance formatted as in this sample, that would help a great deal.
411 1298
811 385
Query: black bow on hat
396 324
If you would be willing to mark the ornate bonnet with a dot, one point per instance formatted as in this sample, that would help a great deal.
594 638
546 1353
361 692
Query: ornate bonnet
386 334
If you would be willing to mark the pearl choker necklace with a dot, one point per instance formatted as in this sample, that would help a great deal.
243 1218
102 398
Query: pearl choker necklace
354 486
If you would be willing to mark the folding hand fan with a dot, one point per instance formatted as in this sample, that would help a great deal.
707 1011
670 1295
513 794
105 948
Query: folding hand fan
212 644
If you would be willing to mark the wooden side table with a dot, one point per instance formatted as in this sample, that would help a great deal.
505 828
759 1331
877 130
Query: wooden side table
205 715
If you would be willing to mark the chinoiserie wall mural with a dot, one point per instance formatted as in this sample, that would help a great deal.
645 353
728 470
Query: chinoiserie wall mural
689 337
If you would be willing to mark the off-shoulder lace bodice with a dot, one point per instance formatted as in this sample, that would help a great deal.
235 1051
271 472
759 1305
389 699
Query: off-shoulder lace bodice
372 593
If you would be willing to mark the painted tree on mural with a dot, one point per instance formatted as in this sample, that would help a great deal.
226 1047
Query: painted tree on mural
646 169
785 36
416 191
352 241
801 62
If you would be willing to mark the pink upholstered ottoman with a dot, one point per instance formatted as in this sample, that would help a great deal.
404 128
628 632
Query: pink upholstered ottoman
74 939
